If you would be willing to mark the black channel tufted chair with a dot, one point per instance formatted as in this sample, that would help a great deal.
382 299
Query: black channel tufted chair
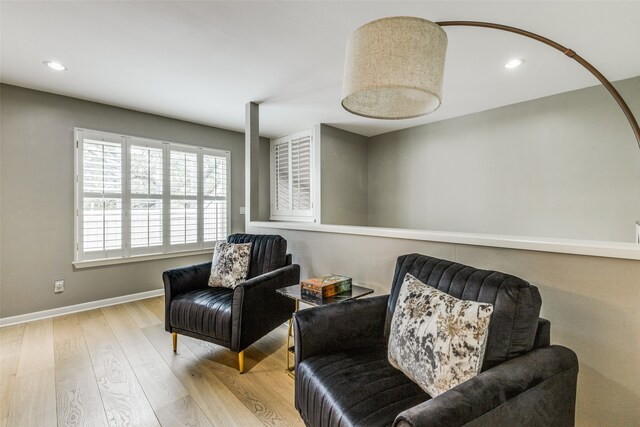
232 318
343 377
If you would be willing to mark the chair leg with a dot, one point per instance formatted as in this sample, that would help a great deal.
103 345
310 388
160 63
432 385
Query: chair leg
241 361
174 336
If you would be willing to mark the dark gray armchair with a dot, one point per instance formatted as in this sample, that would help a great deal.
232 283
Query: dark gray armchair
343 377
232 318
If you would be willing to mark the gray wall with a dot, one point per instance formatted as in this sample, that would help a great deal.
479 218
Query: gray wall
264 180
344 177
592 304
36 179
563 166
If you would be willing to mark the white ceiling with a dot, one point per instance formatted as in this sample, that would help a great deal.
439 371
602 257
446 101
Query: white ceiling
202 61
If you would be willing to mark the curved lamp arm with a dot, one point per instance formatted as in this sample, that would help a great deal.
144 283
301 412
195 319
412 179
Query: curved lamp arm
570 53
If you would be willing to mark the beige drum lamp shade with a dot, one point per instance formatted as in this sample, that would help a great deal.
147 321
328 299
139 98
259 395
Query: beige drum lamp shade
394 67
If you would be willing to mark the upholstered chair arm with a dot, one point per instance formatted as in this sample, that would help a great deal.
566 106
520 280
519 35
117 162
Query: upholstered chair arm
543 334
258 309
538 388
285 276
338 327
181 280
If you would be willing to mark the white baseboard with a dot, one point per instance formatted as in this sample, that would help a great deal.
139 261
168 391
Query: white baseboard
30 317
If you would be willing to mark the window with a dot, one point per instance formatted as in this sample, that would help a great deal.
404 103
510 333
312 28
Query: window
138 196
292 177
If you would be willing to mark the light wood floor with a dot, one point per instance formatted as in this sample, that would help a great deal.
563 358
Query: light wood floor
114 367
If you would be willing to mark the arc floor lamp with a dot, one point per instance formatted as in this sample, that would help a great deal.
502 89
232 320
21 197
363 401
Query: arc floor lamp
394 68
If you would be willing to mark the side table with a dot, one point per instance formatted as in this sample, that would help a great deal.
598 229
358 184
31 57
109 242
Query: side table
294 292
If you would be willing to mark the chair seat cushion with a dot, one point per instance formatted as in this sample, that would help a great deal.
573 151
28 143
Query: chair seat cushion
205 312
354 388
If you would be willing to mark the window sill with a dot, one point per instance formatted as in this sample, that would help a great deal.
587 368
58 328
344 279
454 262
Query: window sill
139 258
565 246
292 219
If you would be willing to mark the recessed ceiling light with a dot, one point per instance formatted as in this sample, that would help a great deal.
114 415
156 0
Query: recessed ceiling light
55 65
514 63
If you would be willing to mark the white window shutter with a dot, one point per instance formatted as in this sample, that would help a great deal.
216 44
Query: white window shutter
137 196
282 182
100 210
215 202
301 174
102 226
184 191
146 204
292 183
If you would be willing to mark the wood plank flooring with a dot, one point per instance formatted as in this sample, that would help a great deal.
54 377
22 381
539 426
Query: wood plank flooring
115 367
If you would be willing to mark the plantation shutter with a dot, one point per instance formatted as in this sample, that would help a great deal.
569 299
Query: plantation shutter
292 177
146 165
280 154
183 177
301 173
137 196
215 200
100 208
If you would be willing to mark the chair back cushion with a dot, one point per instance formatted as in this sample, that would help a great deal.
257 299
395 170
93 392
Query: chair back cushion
516 303
268 253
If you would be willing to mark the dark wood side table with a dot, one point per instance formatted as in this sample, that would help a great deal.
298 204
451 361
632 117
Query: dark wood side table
294 292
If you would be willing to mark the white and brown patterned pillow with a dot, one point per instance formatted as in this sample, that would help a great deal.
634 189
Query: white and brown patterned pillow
230 264
437 340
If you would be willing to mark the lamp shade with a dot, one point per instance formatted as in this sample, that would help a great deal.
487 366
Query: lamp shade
394 67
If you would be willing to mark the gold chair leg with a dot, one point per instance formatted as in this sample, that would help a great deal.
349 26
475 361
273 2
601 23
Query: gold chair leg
241 361
174 336
290 369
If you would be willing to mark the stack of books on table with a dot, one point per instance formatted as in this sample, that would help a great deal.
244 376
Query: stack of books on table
326 286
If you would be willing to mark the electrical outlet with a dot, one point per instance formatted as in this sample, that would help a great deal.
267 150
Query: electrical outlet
58 286
242 210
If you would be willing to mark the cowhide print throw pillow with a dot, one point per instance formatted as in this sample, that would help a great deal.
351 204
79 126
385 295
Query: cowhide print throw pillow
230 264
438 341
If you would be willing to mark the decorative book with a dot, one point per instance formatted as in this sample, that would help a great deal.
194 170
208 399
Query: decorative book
326 286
